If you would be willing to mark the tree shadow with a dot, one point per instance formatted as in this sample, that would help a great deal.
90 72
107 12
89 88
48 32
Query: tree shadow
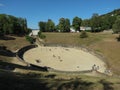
75 85
118 38
13 81
7 38
5 52
11 66
107 85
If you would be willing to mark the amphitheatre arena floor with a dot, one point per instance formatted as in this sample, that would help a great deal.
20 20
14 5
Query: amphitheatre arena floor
63 59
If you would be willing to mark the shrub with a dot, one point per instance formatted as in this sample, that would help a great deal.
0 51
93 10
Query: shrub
30 39
83 34
118 38
42 36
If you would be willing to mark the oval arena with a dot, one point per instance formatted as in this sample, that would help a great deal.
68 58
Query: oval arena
64 59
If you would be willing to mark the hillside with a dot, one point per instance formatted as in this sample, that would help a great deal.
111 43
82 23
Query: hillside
115 12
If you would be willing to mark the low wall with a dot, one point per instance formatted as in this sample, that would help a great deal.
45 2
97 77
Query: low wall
70 72
21 52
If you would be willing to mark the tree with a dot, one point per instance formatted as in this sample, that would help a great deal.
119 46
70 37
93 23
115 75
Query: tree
61 24
26 30
12 25
86 23
64 25
67 25
107 22
50 26
116 25
42 26
96 23
76 23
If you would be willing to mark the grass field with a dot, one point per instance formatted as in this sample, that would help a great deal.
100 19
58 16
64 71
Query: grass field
13 42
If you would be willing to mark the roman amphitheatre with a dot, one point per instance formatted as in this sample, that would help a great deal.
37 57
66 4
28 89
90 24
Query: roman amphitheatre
65 59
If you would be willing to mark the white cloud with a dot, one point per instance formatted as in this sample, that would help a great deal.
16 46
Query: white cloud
1 4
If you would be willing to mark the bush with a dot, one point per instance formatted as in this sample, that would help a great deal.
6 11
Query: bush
118 38
83 34
42 36
30 39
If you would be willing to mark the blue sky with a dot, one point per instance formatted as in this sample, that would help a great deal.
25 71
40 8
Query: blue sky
42 10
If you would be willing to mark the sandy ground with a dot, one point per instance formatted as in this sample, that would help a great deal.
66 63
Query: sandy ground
64 59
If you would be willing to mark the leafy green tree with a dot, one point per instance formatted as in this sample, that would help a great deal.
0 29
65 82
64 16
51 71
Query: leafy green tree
42 26
116 25
86 23
107 22
64 25
95 23
61 24
57 28
76 23
12 25
50 26
67 25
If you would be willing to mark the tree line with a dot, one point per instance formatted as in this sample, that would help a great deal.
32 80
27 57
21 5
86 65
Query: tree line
63 26
13 25
96 22
18 26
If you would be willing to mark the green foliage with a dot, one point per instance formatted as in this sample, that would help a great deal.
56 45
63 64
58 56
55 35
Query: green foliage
67 25
116 26
30 39
48 26
64 25
61 24
76 23
29 31
83 34
42 26
1 34
86 23
95 23
42 36
12 25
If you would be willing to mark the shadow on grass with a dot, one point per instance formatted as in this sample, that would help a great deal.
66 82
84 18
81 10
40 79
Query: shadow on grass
75 85
7 38
5 52
118 38
11 81
107 85
10 66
